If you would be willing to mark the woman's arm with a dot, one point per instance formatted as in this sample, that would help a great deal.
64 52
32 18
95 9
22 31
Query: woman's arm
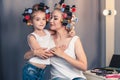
80 62
81 56
28 55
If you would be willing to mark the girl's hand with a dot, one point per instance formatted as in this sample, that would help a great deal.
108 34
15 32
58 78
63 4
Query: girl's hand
42 53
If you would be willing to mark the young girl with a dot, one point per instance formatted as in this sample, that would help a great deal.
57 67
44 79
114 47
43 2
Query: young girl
39 40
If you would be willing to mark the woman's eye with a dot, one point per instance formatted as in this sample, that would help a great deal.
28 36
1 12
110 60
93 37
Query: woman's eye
44 18
55 18
51 17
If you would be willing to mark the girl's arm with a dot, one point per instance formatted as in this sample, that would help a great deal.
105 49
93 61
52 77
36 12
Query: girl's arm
36 49
80 62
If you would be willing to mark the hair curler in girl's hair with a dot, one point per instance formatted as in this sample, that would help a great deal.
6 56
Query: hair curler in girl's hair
27 15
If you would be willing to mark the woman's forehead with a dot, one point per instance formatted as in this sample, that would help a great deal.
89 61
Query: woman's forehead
56 13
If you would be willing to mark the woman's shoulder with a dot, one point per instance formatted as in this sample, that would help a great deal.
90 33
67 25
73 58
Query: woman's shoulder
75 37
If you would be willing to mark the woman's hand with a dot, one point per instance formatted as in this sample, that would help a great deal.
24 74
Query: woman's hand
28 55
58 51
72 32
42 53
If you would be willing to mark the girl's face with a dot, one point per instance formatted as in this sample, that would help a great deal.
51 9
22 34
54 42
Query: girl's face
55 22
39 20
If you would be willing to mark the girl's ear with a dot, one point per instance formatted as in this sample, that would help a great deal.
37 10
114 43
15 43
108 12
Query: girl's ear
29 23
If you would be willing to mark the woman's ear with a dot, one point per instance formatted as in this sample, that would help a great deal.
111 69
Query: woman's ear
61 20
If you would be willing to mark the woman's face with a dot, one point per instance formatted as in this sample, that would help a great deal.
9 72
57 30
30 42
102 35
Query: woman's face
55 22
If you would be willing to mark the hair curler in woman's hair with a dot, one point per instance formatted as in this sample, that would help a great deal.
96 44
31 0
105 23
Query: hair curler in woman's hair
68 19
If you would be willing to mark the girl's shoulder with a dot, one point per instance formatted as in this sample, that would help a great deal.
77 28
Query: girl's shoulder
51 32
47 31
32 35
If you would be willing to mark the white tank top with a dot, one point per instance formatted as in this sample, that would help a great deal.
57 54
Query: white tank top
61 68
45 42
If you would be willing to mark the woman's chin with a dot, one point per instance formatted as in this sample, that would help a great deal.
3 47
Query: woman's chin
52 28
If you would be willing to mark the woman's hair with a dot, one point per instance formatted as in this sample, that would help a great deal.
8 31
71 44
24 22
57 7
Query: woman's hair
29 12
67 12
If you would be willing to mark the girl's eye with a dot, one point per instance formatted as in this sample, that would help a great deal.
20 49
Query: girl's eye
37 19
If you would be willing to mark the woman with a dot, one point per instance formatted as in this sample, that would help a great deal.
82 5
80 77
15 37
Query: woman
69 60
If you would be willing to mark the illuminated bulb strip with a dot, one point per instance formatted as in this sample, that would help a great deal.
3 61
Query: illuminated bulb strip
109 12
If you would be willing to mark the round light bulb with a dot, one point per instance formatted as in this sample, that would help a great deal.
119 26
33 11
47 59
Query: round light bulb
107 12
115 12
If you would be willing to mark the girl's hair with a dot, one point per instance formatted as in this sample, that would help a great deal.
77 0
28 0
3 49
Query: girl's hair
69 19
28 13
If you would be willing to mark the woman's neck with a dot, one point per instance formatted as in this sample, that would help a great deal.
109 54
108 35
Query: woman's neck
61 34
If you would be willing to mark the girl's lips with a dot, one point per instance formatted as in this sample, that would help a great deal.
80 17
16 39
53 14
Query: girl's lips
41 25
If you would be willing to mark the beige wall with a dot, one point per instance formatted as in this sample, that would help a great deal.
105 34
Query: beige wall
110 27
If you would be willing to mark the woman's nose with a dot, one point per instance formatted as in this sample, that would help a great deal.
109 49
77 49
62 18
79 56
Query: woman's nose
51 20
